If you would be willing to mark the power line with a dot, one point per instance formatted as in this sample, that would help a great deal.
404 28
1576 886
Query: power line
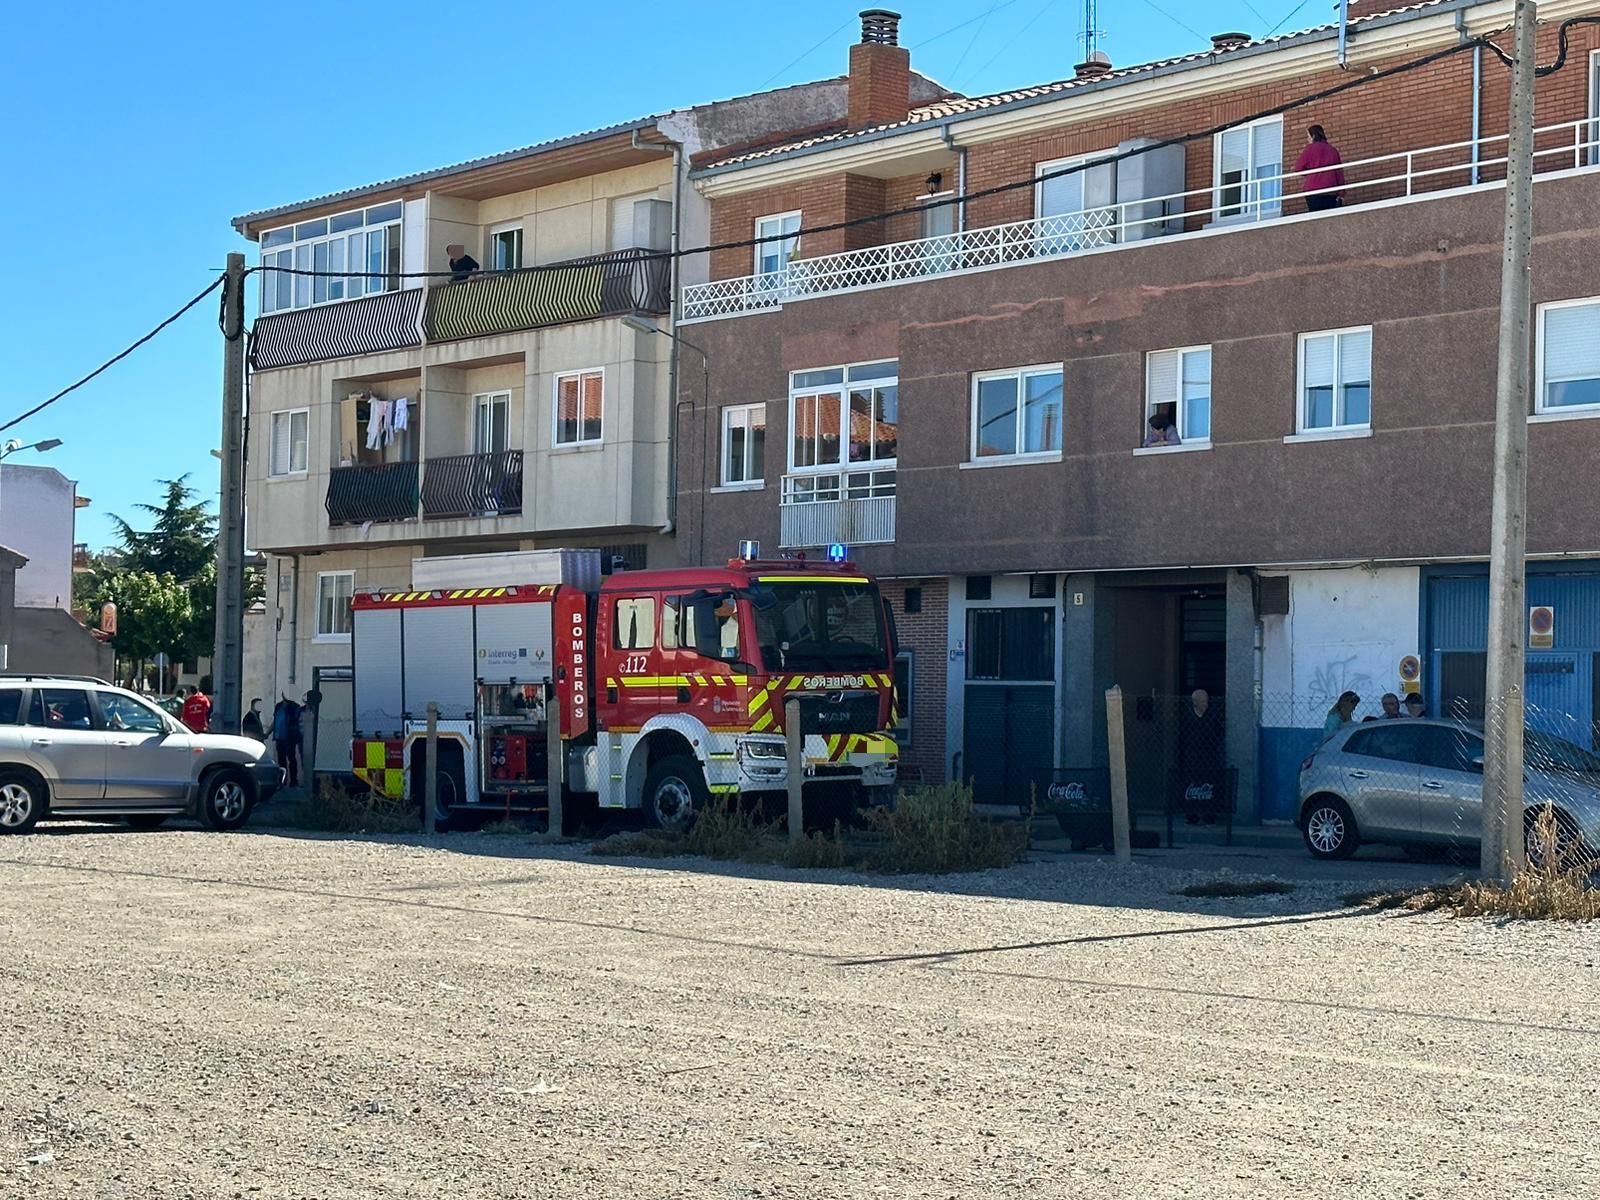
116 358
1186 28
1011 41
927 41
807 54
1286 19
973 40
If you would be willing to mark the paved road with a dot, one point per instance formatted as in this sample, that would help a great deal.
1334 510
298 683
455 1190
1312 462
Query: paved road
197 1015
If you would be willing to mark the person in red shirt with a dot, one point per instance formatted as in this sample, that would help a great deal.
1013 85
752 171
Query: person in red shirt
1323 175
197 711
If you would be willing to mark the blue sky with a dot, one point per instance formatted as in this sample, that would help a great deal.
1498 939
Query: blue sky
135 133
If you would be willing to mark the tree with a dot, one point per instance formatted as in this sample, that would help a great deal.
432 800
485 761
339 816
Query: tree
182 540
155 614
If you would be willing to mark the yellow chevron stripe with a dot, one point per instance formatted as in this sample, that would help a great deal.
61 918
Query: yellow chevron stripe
794 683
764 721
499 591
759 701
377 755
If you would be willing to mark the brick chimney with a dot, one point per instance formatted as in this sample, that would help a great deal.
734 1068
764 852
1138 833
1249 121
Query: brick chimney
880 72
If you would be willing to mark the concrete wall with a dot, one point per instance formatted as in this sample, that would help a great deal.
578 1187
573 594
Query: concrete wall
49 640
38 518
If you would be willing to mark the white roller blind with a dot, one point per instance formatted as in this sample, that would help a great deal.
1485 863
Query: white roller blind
1161 377
1355 357
1319 361
1572 343
1196 374
1266 143
280 443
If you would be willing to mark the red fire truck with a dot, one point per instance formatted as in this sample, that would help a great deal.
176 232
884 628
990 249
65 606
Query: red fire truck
671 686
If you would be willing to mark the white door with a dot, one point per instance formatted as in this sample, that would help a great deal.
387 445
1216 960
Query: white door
1248 171
1075 211
491 415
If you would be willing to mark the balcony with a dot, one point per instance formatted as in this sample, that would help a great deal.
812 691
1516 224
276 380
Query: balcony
384 492
387 321
503 302
80 556
473 485
1411 174
853 507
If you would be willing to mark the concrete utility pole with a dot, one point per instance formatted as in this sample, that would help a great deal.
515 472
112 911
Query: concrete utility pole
1508 545
227 663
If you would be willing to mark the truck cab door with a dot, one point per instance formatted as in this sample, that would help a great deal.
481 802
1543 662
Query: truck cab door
636 682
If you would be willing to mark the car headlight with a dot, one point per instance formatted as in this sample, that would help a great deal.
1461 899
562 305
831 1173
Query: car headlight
766 750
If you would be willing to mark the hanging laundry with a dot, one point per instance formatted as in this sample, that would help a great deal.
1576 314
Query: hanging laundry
378 432
400 419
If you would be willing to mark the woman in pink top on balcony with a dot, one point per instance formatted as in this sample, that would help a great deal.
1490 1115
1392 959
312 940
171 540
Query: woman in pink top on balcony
1319 158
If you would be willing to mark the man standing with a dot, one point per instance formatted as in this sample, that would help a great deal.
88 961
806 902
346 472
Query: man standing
252 722
1321 186
197 711
1414 705
1200 758
286 738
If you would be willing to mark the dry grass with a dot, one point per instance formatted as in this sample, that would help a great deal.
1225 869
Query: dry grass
1224 888
336 810
509 827
932 831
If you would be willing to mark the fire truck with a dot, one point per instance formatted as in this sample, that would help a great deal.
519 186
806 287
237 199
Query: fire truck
671 685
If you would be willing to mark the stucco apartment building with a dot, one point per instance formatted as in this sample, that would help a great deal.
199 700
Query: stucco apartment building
397 413
962 394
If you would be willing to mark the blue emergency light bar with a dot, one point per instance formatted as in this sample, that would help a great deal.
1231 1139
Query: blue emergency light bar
838 553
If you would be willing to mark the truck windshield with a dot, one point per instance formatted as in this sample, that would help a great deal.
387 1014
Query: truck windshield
822 626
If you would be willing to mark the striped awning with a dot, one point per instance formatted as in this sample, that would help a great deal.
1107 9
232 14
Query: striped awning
388 321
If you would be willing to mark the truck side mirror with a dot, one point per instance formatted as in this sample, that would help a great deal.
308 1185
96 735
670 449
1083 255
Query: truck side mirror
707 633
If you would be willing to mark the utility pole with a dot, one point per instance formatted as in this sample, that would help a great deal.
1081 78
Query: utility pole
227 662
1508 545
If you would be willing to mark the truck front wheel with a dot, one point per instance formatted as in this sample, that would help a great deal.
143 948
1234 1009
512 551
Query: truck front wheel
674 790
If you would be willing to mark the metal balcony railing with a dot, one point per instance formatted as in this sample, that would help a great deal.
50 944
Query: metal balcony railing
387 321
624 281
383 492
473 485
1407 174
853 507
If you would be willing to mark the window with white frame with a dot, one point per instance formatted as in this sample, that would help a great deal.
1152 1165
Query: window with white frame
772 257
1247 171
290 442
1017 412
578 403
1569 356
491 422
335 589
1075 211
1336 380
365 243
1177 390
505 248
845 416
744 444
1592 137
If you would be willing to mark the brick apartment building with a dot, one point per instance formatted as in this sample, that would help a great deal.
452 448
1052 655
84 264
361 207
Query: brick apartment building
962 394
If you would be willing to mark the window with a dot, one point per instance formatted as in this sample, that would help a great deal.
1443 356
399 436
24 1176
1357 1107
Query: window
365 243
904 697
11 706
505 248
1447 749
289 442
1248 174
817 402
634 623
62 708
1390 740
1593 136
1336 380
126 713
1077 211
578 404
491 422
1016 412
335 590
1177 384
773 258
1569 356
1011 643
744 444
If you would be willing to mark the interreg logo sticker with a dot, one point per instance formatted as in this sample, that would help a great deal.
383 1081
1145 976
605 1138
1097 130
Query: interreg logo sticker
502 657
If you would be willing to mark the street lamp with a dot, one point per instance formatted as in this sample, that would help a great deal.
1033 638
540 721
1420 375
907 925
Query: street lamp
16 444
640 325
7 617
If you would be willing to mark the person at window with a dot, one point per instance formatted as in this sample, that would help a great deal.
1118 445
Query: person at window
197 711
1200 758
251 725
1163 431
1391 707
1323 176
1414 705
462 264
1341 714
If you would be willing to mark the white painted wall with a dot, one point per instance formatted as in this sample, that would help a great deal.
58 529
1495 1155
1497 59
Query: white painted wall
38 517
1347 629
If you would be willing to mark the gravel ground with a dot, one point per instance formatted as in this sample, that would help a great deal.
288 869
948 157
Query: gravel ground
197 1015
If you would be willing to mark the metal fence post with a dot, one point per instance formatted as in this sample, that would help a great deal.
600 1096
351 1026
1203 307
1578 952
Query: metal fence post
555 766
794 747
1117 747
430 795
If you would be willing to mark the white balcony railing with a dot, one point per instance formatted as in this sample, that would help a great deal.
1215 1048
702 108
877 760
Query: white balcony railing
1409 173
853 507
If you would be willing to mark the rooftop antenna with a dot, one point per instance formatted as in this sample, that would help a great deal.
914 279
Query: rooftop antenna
1092 33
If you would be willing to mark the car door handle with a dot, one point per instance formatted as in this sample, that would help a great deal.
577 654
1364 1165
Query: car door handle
122 742
1434 784
43 742
1358 774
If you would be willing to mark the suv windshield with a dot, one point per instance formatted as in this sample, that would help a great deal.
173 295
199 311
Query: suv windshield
1546 752
822 626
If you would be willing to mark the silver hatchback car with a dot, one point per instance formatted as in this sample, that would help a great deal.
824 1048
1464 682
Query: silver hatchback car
71 746
1417 782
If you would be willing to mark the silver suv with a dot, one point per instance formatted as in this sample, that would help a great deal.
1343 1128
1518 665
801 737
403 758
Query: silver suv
71 746
1417 783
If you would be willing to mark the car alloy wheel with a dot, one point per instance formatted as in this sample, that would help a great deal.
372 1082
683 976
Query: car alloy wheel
230 800
16 805
1325 829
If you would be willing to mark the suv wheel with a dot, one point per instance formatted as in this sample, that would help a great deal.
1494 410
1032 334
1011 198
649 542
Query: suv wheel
1329 828
21 802
225 800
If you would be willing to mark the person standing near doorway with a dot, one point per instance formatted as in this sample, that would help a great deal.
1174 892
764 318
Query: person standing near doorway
1200 757
286 738
1321 185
